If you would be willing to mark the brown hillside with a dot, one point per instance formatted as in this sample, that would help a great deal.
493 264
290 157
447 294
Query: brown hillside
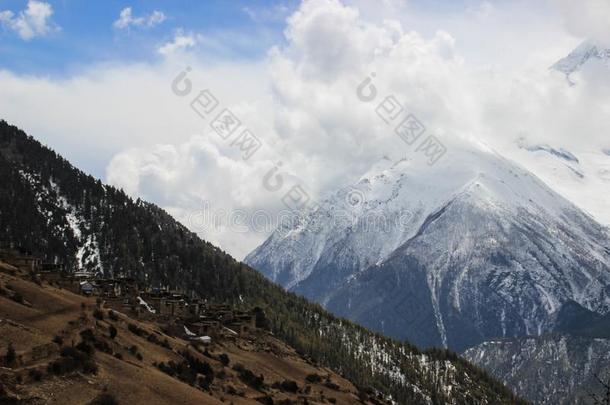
51 331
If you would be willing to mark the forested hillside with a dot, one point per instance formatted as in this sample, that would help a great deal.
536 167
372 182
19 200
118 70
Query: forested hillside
58 212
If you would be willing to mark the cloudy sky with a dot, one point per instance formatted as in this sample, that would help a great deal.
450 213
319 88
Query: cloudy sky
132 93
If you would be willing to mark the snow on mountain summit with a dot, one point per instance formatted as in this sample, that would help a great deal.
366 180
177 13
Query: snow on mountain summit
475 244
587 52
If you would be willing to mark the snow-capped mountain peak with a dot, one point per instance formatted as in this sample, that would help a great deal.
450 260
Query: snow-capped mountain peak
476 245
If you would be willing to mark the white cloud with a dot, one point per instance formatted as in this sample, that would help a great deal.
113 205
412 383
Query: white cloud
132 130
482 10
183 177
301 102
181 41
586 19
34 21
126 19
276 13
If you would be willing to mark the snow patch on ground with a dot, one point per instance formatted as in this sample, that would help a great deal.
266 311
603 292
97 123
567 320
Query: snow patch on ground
151 309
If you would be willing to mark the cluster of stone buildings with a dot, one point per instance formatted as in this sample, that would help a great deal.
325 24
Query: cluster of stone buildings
193 318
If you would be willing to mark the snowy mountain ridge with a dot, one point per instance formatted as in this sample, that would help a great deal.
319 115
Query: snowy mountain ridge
385 195
470 238
587 52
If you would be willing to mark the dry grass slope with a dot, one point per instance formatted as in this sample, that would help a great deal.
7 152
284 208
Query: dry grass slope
42 323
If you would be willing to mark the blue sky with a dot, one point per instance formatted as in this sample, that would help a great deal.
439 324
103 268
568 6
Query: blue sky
82 32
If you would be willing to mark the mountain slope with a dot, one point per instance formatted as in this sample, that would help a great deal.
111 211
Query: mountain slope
472 248
59 213
51 318
552 369
561 367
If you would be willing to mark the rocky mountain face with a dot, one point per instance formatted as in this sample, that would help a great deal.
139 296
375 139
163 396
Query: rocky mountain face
451 255
587 52
62 215
551 369
559 368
